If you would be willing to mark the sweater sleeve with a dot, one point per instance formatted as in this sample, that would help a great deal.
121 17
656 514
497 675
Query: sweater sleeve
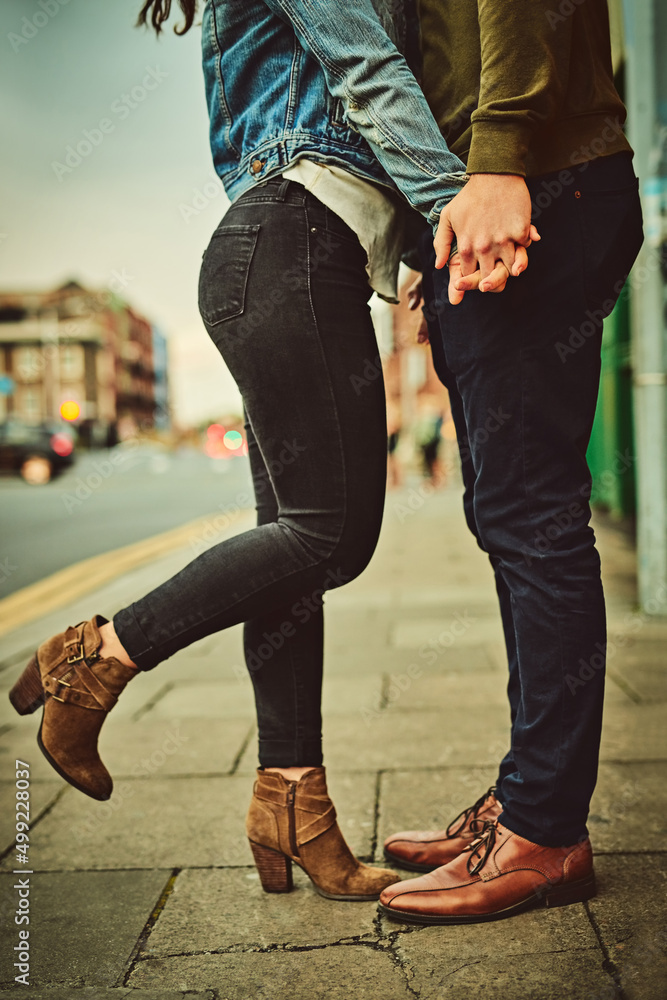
525 51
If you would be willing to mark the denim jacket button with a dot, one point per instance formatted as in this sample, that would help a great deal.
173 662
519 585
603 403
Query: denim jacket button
256 166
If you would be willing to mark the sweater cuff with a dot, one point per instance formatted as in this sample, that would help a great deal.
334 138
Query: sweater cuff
499 148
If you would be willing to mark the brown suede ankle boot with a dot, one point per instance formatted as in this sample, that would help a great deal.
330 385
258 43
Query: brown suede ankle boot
296 821
78 689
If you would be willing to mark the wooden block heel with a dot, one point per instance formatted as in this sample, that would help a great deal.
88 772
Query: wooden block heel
28 694
275 869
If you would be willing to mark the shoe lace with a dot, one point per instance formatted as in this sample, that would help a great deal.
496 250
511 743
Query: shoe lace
485 842
469 815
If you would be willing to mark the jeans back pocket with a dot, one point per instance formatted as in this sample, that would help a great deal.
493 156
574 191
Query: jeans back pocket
224 273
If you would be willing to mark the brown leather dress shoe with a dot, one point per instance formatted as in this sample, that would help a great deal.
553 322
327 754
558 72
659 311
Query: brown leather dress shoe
295 821
496 876
78 689
424 850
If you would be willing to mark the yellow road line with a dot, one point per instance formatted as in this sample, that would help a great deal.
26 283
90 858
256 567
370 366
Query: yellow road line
83 577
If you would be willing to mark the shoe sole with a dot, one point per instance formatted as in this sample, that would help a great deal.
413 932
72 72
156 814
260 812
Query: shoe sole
561 895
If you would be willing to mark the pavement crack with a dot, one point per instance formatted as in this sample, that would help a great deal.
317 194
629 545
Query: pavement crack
608 965
376 813
38 819
242 750
152 702
124 978
625 686
401 965
268 949
384 693
466 965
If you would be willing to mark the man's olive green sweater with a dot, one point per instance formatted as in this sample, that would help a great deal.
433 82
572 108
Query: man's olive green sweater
522 86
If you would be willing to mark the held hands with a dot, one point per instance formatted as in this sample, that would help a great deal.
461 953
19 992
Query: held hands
458 286
490 217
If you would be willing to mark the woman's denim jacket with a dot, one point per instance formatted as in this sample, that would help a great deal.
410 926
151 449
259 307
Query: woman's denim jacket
324 79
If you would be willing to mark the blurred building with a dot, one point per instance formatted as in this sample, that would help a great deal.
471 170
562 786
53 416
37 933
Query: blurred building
86 347
161 380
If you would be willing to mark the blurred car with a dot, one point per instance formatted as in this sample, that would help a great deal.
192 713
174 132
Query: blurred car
36 452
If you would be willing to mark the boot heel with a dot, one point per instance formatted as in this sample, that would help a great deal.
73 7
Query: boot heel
572 892
275 869
28 694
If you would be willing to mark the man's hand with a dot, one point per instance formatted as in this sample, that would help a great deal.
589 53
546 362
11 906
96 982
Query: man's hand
490 217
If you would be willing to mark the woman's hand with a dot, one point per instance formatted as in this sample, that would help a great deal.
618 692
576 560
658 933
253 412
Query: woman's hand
459 284
416 301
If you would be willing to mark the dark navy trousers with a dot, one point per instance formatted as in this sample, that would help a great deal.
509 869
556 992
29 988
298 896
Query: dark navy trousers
522 368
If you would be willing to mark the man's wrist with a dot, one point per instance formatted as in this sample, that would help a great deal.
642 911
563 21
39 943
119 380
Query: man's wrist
499 147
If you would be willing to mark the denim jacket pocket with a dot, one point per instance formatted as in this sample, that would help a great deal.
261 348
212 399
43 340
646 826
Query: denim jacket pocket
224 273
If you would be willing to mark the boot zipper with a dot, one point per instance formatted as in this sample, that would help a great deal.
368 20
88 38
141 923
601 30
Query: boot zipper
291 819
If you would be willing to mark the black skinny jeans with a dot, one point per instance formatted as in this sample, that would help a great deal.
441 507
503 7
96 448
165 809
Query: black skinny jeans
284 295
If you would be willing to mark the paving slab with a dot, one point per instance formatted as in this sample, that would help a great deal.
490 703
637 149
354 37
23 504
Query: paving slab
176 822
446 689
90 993
644 671
234 700
536 932
629 808
396 739
466 627
629 911
20 741
353 662
428 799
146 747
344 971
222 910
83 925
173 745
42 795
634 732
148 823
618 692
221 700
545 976
213 658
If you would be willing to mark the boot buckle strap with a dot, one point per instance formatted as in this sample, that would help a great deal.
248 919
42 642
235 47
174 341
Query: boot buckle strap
104 698
78 655
60 683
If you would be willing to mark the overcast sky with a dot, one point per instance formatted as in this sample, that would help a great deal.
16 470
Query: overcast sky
117 215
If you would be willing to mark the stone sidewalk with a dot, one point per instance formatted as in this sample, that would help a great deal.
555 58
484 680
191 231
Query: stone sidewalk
154 893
